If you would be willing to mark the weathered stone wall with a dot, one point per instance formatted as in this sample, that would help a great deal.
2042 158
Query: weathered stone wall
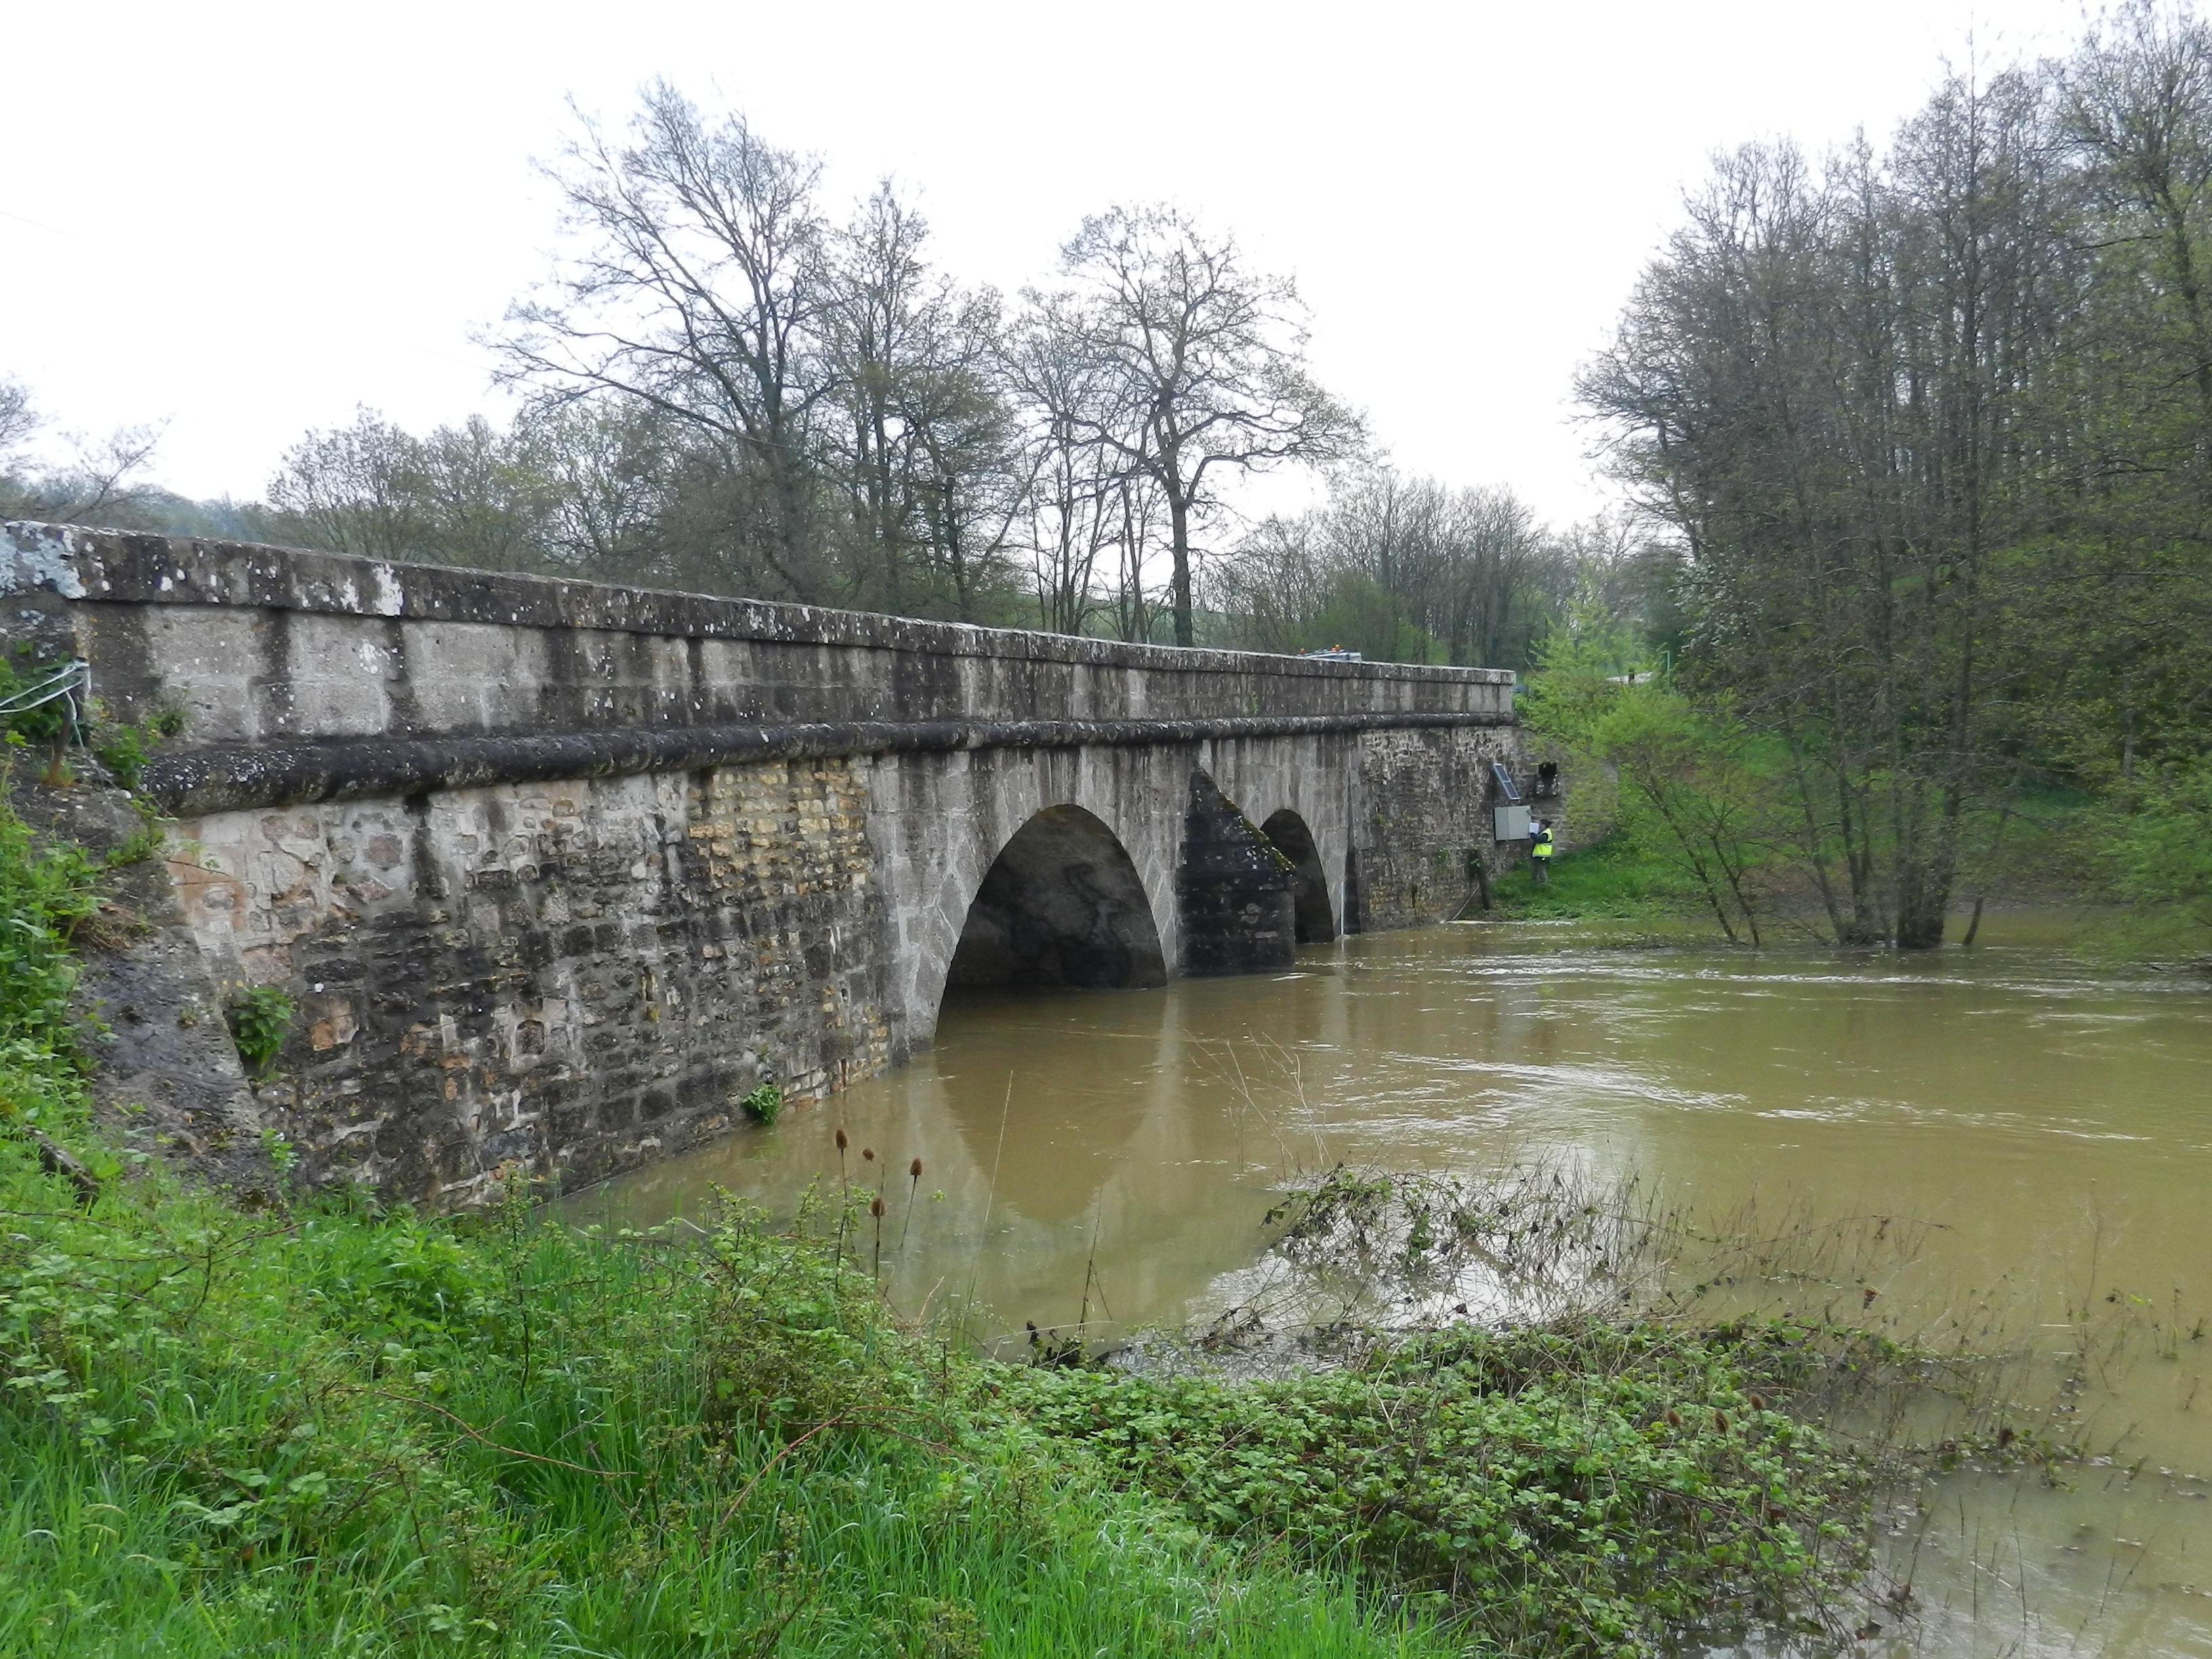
1427 798
578 976
555 874
266 646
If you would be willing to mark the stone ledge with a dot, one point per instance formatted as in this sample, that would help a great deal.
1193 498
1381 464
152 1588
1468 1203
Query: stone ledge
246 777
115 567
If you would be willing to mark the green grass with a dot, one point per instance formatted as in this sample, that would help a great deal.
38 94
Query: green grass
1614 880
334 1431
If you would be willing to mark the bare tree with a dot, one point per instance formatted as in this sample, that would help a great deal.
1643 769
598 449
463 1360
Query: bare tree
923 451
1404 568
18 420
1207 366
966 449
878 283
1068 476
698 288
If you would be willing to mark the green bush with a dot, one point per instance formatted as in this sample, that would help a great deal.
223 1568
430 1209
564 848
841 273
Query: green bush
122 750
48 723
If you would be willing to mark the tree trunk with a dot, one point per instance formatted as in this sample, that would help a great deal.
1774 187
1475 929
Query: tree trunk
1186 631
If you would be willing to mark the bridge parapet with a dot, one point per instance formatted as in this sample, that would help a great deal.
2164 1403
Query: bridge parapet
260 644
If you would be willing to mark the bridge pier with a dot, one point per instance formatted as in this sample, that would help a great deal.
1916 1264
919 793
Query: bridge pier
1235 887
553 873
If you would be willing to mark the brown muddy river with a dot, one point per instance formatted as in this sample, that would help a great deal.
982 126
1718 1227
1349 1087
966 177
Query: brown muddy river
2040 1133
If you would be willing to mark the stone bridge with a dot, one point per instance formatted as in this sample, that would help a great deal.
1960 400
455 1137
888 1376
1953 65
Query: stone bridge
555 873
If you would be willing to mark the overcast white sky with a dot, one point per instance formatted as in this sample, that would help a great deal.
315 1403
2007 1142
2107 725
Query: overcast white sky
244 220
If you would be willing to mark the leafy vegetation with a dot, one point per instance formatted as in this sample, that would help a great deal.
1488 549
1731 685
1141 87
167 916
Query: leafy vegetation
122 750
46 894
261 1018
1570 1491
2164 851
764 1104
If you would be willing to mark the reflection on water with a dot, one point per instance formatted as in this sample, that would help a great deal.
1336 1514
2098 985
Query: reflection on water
1115 1150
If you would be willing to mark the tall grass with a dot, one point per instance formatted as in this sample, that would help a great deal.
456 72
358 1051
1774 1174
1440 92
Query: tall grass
338 1431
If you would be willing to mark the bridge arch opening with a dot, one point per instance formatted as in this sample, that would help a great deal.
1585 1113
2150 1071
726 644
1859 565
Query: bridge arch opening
1061 905
1315 920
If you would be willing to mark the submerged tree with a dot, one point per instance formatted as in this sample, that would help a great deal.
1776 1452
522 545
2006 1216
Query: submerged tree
1832 385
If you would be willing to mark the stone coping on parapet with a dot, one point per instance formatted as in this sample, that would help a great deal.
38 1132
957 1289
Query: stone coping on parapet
119 567
247 777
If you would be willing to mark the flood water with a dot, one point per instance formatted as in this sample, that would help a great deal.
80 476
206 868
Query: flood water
2040 1130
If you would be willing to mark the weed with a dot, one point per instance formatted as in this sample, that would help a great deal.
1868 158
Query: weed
283 1156
122 750
764 1104
1573 1491
261 1018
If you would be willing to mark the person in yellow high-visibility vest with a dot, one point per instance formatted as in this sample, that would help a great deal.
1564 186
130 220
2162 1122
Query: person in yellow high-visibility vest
1540 855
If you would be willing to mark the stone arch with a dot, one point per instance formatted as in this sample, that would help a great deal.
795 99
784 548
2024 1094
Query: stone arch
1312 917
1061 904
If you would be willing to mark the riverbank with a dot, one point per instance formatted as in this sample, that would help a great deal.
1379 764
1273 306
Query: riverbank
1614 880
1628 896
301 1424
